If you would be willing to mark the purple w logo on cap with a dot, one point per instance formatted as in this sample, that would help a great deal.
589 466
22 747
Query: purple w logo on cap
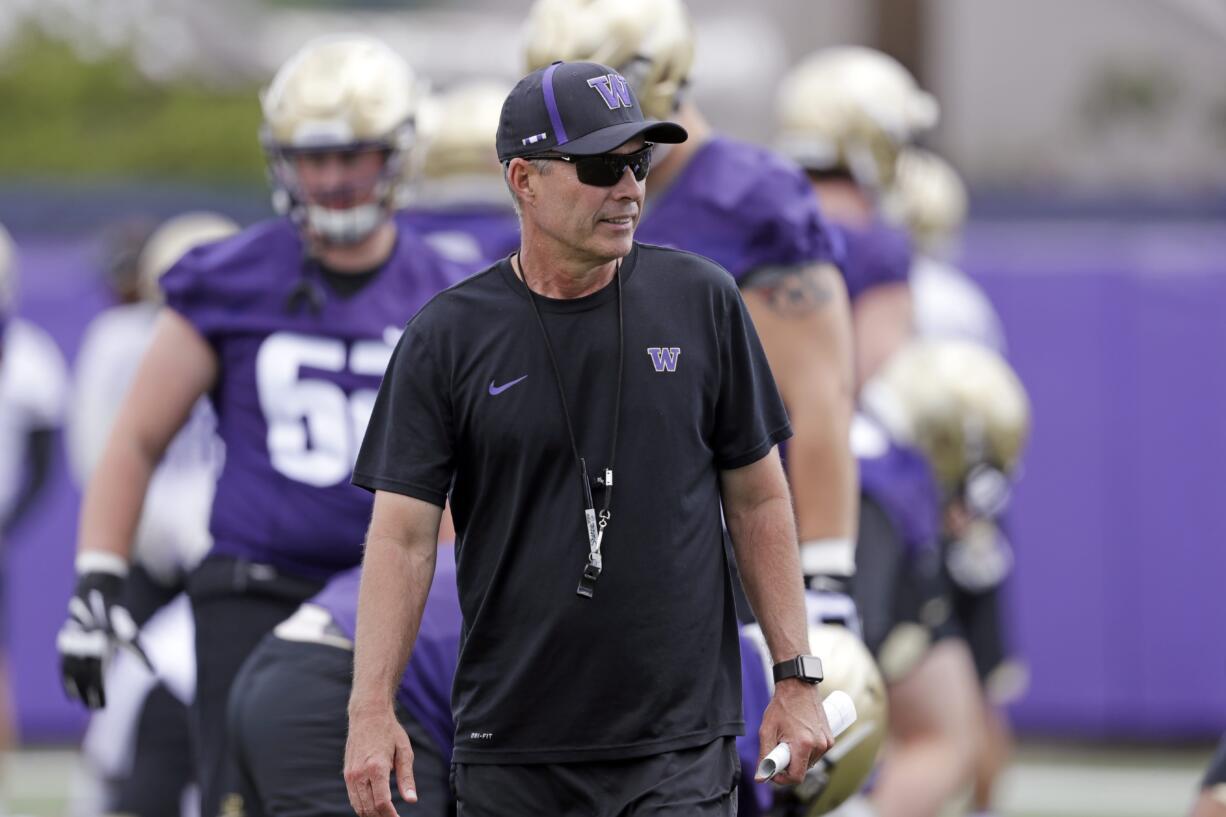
614 90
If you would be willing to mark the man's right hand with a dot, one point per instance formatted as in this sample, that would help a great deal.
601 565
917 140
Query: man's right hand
97 622
377 745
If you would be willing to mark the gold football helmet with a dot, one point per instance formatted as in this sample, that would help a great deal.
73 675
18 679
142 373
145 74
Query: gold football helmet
851 109
339 93
650 42
928 198
848 666
959 403
171 241
456 131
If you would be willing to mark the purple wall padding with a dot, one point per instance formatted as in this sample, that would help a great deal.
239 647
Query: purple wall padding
1120 523
1118 332
60 291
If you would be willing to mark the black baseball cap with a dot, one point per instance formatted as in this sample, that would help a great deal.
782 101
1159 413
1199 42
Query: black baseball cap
576 108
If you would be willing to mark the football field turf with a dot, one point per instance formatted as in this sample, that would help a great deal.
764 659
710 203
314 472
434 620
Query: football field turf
1046 780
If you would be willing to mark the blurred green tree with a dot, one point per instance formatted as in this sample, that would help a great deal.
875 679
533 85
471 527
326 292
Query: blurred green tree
65 117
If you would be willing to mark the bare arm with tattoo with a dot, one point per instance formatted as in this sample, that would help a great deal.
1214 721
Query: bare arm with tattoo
803 319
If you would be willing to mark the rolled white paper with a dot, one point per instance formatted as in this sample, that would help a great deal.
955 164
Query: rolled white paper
840 714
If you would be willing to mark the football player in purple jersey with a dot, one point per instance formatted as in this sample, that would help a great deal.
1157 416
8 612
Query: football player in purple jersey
130 763
288 327
931 200
294 689
752 212
843 115
943 426
458 201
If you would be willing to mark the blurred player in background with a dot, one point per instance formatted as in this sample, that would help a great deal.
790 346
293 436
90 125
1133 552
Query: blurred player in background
137 749
288 327
33 390
1212 799
294 691
753 213
962 410
843 115
929 198
123 242
458 202
33 386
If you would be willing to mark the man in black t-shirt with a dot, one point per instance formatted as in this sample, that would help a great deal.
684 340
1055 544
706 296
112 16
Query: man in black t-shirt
587 405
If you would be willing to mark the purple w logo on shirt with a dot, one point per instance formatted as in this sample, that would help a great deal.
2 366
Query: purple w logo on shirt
664 359
614 90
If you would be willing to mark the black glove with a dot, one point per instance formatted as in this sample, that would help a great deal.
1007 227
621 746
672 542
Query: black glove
97 624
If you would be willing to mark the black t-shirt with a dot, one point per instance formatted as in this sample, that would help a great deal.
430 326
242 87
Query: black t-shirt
470 407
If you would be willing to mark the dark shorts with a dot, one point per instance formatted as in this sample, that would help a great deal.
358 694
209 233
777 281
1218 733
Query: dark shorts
288 726
978 616
697 782
895 587
233 606
162 766
1216 774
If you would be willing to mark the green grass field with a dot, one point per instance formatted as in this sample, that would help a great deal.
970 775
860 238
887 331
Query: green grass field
1046 780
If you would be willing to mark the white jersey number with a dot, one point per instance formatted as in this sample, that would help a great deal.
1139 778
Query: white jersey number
314 427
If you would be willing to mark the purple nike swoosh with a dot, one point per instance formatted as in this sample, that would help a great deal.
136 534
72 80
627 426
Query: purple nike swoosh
500 389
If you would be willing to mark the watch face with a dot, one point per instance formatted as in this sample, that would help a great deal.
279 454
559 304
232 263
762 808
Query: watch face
810 667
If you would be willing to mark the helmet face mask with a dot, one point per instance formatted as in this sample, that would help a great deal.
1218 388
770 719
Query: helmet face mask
341 195
338 128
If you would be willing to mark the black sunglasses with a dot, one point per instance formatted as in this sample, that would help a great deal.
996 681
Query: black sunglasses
606 169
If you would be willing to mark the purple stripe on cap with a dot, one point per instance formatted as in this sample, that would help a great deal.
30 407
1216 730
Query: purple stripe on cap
551 104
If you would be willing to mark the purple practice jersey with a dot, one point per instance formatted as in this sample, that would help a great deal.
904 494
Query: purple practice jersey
296 383
425 688
471 236
901 482
741 206
872 256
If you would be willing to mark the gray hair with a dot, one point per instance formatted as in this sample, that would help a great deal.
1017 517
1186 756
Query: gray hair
543 166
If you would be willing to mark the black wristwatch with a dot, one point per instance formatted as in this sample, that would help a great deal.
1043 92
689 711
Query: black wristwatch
807 668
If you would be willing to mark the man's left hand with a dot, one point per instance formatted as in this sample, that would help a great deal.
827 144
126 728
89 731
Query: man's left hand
795 717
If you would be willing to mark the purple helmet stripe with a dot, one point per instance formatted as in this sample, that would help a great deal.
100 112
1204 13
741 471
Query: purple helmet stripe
551 104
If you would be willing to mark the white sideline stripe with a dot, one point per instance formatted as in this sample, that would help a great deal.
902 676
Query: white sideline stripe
1073 790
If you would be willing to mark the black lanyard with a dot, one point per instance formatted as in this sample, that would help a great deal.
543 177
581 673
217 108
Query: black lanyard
595 525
